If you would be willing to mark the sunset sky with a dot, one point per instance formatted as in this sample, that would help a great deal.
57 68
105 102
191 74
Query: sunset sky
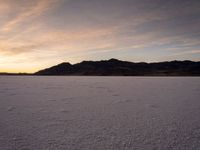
35 34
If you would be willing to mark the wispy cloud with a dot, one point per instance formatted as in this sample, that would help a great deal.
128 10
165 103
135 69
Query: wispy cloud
36 8
187 52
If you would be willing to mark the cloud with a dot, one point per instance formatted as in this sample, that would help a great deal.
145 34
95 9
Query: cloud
17 49
190 52
34 9
4 7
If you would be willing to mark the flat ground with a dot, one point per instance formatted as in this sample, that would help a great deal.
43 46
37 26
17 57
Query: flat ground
99 113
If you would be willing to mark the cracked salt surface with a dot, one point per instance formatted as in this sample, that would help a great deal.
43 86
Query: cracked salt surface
103 113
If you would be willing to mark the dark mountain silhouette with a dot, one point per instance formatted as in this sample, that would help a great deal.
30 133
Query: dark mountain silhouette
114 67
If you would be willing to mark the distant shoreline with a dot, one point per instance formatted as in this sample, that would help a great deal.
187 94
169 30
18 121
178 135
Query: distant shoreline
16 74
33 75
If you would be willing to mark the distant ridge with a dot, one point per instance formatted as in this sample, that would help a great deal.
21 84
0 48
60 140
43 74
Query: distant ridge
14 74
115 67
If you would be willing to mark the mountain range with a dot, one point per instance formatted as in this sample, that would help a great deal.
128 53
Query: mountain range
115 67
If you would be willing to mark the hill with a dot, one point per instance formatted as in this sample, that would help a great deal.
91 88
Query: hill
114 67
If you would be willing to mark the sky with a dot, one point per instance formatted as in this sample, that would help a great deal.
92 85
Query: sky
35 34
